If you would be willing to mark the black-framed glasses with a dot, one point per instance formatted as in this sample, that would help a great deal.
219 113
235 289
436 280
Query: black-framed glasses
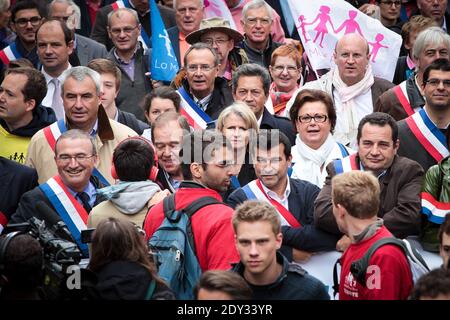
65 158
319 118
436 82
390 3
23 22
126 30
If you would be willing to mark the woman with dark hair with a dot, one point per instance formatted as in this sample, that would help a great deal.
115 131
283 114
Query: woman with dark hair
314 118
120 259
159 101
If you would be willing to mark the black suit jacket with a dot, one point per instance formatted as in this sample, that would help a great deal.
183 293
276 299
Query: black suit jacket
270 121
15 180
301 205
100 33
27 204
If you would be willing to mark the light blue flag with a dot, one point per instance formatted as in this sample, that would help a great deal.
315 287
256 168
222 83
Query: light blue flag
164 64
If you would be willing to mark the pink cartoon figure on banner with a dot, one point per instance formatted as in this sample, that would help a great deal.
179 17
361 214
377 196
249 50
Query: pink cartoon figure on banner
301 19
321 27
377 45
350 25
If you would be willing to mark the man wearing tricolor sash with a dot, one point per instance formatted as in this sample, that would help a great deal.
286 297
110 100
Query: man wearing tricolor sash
407 98
71 193
81 98
26 17
400 179
100 33
203 93
293 198
424 134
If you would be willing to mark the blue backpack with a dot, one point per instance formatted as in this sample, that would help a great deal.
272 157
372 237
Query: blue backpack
173 247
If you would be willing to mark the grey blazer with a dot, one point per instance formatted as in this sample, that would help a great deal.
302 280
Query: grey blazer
88 49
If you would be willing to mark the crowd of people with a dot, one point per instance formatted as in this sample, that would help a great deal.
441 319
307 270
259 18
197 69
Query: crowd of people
294 162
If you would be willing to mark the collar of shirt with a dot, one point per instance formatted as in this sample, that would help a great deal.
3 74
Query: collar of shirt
444 24
116 116
274 195
361 168
49 78
204 102
410 63
174 183
260 119
121 61
228 72
90 190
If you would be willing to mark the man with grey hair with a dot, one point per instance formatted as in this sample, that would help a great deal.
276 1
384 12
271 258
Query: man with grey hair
81 98
188 16
128 54
85 48
100 32
71 191
435 10
407 98
257 22
352 86
200 86
251 84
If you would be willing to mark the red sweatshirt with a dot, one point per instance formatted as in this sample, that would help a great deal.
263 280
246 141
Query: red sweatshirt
211 225
388 276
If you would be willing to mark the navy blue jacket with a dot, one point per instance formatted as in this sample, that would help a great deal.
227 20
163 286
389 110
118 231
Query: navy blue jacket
301 205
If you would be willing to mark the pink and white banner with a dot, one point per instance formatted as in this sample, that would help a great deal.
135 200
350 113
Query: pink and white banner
320 23
218 8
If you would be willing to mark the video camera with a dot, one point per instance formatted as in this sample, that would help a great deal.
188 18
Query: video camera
60 250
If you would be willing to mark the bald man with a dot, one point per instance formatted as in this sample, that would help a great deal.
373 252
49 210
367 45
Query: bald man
352 86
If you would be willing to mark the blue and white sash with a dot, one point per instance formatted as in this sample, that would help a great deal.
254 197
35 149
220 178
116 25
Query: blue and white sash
54 131
428 135
346 164
196 117
143 37
69 209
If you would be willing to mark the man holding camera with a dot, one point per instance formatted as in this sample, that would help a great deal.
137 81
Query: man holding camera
72 192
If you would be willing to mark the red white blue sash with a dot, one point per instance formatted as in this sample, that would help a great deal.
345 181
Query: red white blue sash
69 209
254 190
54 131
346 164
10 53
402 96
434 209
143 38
196 117
428 135
3 221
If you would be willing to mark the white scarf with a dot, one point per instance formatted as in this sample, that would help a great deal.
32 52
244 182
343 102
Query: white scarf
309 161
349 117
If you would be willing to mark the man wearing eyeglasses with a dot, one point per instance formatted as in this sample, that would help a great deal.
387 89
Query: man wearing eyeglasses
257 23
424 135
128 54
203 93
218 33
292 198
100 31
85 49
26 17
71 193
407 98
